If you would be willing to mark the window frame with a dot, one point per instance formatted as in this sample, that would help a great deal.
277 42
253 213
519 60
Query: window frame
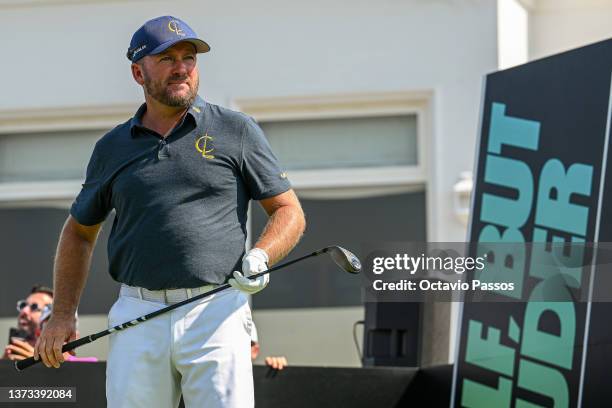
359 181
347 107
54 193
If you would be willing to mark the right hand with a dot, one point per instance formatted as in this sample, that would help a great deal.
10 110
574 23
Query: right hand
57 331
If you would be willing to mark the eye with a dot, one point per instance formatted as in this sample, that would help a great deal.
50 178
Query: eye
166 58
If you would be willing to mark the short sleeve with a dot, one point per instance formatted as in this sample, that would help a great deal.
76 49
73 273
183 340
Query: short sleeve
92 205
260 168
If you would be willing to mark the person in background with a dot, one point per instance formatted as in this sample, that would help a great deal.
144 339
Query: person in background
34 312
21 344
276 363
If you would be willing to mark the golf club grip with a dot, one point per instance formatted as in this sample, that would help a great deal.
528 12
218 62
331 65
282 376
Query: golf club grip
28 362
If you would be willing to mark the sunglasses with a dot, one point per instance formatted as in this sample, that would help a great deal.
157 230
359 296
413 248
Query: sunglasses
34 307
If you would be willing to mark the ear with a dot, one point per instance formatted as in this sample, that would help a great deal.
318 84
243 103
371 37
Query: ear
137 73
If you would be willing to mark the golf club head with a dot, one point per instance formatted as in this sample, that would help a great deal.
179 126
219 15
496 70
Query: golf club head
344 259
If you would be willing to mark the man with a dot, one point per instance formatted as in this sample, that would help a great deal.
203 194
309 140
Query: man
180 175
28 322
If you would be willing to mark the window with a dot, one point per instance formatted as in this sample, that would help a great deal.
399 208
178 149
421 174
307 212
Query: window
46 156
345 142
44 152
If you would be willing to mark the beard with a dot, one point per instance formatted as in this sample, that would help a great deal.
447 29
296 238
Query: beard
159 91
30 329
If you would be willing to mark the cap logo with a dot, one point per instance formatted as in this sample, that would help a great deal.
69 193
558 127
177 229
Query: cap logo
173 26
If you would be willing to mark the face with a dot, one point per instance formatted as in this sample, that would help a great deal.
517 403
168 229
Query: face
28 319
171 77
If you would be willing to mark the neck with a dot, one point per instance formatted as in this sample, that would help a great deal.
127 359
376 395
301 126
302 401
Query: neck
161 118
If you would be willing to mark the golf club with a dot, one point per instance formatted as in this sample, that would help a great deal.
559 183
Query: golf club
343 258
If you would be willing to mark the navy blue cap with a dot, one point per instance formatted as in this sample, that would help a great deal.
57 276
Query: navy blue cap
161 33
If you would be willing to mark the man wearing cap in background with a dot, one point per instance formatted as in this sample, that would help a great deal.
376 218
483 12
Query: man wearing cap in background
180 175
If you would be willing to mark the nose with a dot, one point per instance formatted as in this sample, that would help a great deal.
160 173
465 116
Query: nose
25 312
180 68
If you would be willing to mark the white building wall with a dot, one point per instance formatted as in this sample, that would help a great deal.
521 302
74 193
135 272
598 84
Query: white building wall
513 33
560 25
73 54
68 54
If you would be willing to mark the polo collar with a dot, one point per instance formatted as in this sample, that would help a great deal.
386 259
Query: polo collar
196 111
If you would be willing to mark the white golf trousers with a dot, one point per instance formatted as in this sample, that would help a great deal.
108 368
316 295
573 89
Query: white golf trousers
201 349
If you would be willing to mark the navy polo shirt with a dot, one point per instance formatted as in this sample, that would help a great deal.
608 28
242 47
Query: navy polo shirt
181 203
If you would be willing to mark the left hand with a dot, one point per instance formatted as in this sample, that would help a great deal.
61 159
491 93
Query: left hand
255 261
57 331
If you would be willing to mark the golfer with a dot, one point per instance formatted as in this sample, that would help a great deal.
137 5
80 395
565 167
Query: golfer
180 175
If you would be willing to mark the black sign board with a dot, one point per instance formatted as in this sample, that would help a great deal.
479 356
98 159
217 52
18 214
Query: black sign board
540 177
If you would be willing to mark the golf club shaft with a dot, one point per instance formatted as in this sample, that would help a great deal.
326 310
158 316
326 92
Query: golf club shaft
30 361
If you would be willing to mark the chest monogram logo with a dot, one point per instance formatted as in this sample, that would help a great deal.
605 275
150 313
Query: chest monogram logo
203 145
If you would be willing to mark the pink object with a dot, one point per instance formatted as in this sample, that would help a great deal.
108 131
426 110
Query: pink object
82 359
